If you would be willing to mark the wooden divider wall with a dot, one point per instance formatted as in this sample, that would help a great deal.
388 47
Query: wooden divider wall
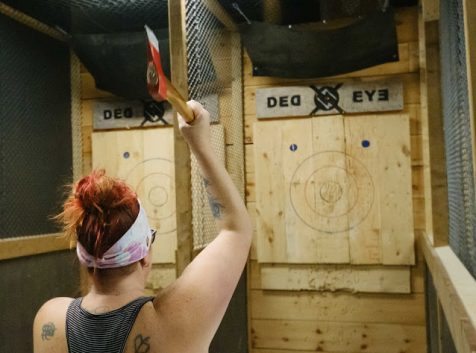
338 319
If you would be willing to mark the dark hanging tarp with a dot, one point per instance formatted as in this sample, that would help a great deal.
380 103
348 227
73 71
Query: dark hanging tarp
281 51
118 61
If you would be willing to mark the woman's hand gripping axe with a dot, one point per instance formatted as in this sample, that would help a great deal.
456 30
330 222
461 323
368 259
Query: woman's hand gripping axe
160 88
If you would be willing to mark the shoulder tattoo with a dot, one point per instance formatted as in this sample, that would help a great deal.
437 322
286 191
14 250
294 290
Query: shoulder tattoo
141 344
48 331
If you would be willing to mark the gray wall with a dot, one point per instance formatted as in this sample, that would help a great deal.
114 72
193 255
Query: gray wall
26 283
35 163
35 128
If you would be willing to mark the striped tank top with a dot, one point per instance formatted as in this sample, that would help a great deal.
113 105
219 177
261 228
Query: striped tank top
102 333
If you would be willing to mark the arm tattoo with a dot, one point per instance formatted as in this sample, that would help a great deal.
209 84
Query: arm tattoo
206 182
141 344
48 331
215 205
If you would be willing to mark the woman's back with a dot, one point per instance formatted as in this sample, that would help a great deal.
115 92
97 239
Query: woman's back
63 325
102 332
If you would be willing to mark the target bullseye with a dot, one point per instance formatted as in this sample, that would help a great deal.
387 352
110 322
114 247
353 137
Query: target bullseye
331 192
158 196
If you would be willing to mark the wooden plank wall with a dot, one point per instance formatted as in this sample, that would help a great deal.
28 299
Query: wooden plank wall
285 321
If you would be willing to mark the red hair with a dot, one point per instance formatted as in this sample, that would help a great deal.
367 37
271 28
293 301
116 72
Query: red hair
99 210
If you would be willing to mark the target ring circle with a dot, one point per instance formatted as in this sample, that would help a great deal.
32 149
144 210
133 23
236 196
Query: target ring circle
153 183
331 192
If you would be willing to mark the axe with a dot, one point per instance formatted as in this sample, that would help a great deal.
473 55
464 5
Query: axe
158 85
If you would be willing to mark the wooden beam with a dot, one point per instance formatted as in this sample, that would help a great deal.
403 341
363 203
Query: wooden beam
272 11
178 63
235 149
76 118
470 41
336 336
31 22
456 289
220 13
355 279
430 10
433 147
11 248
404 309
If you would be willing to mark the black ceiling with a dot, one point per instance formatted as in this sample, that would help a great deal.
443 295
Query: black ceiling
302 11
96 16
112 16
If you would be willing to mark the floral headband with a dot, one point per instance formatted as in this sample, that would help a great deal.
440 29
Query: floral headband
131 247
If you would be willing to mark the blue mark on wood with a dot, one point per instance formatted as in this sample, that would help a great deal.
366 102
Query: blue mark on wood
365 143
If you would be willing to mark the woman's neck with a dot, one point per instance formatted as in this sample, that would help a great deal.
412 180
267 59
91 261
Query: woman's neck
131 285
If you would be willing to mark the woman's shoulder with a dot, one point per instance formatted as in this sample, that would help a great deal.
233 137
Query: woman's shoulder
54 310
49 325
55 305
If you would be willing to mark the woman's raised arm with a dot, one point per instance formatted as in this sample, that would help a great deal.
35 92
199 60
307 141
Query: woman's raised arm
201 295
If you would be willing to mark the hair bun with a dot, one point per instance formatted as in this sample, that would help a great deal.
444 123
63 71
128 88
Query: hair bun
98 211
96 191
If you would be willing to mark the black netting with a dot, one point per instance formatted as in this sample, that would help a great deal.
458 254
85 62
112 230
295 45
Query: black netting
96 16
438 335
35 128
457 125
108 37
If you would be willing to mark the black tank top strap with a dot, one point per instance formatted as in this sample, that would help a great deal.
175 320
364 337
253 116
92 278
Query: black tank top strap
102 333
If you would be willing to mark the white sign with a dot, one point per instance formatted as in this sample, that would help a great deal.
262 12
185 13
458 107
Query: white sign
118 114
329 98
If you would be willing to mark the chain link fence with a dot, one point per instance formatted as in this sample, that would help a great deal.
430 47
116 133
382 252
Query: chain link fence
458 141
214 78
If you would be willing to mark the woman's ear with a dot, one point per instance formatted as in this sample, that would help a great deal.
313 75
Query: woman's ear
146 262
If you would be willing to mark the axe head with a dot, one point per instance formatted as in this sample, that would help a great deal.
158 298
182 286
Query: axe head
156 80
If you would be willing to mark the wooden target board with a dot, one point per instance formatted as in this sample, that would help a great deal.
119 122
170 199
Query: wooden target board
145 160
334 189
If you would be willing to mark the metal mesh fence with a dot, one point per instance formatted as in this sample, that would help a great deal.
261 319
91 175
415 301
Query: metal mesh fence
438 335
35 130
457 126
214 78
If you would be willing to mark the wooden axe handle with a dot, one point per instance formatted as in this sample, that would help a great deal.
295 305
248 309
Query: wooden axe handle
178 102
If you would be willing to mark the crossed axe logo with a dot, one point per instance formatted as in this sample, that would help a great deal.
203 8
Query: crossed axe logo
154 112
326 98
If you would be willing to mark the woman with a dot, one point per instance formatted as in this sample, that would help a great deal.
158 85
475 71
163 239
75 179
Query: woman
114 242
